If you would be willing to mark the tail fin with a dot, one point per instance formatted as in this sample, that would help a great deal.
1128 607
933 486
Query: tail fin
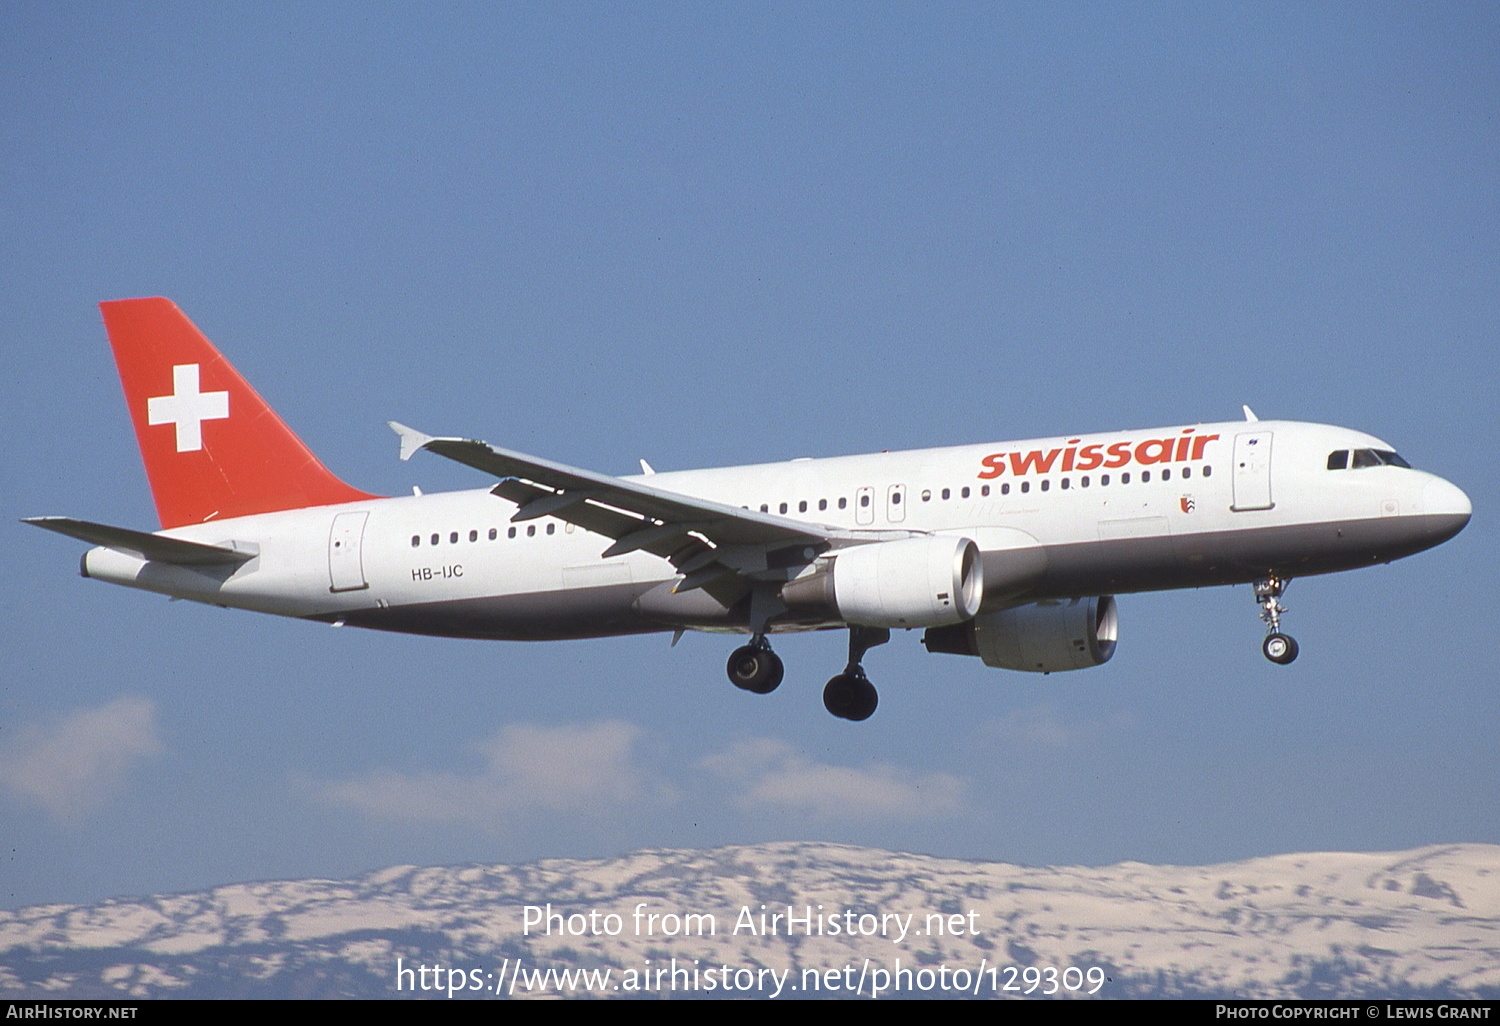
212 447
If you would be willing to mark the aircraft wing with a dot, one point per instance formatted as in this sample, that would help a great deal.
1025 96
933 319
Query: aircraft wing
637 516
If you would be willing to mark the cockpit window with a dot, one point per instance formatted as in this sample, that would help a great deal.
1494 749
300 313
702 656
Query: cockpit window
1374 458
1338 460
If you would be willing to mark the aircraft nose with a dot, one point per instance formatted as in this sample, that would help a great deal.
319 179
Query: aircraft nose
1446 507
1443 498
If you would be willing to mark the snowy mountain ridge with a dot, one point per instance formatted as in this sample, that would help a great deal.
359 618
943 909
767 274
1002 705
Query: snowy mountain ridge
791 918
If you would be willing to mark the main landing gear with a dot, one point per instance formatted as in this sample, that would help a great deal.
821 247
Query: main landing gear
850 695
1278 647
754 667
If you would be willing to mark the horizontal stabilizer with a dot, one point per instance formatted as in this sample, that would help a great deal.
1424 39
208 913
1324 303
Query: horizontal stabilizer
147 546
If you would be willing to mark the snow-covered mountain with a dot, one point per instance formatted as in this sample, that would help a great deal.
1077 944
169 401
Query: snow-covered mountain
1422 923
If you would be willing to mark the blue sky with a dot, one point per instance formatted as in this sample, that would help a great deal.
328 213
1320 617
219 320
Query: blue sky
709 235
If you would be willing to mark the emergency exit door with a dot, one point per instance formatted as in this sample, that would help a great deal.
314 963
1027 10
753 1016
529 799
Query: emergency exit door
346 568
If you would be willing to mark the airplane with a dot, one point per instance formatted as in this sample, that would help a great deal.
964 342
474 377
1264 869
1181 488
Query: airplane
1009 552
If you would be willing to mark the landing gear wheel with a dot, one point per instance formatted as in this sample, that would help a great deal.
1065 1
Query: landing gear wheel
1279 648
755 668
851 696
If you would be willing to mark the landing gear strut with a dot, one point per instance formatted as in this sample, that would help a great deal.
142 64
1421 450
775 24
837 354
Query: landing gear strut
850 695
754 667
1278 647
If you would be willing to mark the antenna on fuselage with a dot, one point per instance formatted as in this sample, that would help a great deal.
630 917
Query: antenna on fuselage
1249 413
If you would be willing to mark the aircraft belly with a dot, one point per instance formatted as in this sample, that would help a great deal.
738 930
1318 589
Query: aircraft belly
589 612
1190 560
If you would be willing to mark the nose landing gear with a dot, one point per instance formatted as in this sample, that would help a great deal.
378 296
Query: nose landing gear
1278 647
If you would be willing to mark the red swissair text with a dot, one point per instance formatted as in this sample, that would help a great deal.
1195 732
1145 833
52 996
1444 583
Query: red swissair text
1093 457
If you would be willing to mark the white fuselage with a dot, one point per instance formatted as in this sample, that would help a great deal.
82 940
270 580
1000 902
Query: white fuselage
1071 516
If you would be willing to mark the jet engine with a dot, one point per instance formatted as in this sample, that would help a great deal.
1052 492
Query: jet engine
1057 634
915 582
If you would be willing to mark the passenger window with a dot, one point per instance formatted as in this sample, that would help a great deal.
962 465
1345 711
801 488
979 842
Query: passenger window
416 540
511 533
843 502
895 498
965 493
1145 477
946 494
1004 489
864 500
1187 472
926 494
1166 475
473 536
1046 484
551 528
1208 471
1125 478
765 507
783 507
434 539
1083 482
493 534
1067 483
1338 460
822 504
1103 480
1025 486
984 490
802 506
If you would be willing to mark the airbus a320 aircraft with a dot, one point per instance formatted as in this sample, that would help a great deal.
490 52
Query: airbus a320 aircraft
1009 552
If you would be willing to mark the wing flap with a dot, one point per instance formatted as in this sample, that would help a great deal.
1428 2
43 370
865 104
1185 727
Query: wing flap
674 545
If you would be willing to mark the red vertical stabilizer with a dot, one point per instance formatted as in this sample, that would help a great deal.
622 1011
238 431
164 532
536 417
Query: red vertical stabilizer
212 447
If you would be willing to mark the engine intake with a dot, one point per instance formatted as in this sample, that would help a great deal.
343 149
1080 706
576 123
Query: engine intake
1057 634
915 582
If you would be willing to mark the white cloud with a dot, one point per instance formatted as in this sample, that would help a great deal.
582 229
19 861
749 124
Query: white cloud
581 768
771 774
75 766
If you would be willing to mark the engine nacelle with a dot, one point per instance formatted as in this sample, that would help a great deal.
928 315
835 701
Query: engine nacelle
915 582
1057 634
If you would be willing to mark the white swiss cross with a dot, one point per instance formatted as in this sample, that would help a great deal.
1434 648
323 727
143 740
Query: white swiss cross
187 407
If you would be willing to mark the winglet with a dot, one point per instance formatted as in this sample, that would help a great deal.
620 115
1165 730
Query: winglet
412 440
